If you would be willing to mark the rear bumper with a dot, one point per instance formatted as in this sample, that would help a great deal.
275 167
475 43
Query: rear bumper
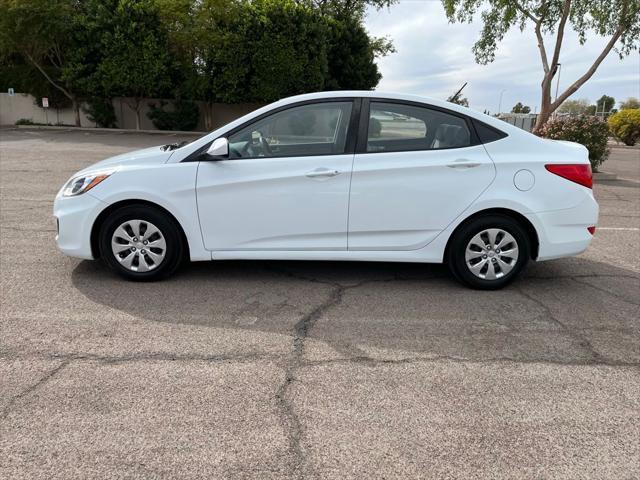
75 217
563 233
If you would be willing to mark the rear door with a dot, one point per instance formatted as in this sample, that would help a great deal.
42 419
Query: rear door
416 169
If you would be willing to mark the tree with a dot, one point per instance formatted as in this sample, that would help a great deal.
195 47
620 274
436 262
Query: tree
41 31
351 51
520 108
630 103
618 20
136 62
625 125
17 73
605 104
574 107
458 99
346 8
350 57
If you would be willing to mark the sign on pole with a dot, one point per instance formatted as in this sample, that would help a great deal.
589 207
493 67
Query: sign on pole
11 92
45 102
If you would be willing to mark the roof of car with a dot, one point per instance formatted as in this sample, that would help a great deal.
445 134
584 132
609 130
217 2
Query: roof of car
403 96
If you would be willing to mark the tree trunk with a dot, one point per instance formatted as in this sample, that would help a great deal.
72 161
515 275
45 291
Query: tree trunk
208 116
138 118
546 107
76 110
135 104
541 120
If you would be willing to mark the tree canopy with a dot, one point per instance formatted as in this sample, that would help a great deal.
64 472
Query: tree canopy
630 103
616 20
229 51
520 108
575 107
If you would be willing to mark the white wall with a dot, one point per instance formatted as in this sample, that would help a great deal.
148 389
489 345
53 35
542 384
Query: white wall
22 105
13 108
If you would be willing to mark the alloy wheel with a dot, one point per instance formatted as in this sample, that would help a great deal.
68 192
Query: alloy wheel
138 245
491 254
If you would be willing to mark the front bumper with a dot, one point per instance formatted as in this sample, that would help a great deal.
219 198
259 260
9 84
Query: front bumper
75 217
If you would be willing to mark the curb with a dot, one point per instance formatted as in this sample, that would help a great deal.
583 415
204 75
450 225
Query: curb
623 146
108 130
604 176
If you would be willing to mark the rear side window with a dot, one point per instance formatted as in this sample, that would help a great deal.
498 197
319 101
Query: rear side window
395 127
487 134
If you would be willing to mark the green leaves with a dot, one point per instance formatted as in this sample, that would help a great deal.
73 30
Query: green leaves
602 17
589 131
231 51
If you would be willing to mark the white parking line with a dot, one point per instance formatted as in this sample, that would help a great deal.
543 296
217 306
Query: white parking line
627 229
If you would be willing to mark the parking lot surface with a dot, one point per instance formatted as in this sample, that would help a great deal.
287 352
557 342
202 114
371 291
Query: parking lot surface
309 370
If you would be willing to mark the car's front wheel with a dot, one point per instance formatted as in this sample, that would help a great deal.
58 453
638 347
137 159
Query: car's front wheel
141 243
488 252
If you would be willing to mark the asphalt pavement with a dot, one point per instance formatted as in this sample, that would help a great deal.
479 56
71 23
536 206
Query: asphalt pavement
320 370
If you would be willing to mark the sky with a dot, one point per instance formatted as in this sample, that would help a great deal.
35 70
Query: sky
434 59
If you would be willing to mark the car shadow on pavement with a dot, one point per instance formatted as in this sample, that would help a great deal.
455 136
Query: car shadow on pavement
570 311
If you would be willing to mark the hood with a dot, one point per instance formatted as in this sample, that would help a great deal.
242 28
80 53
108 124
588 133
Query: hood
138 157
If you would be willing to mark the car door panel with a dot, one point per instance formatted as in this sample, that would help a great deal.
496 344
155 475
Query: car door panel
403 200
272 203
283 187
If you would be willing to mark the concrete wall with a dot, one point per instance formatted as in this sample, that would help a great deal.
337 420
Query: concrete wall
525 121
14 108
22 105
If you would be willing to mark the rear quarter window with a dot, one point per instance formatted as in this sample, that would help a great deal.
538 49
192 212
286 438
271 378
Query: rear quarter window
487 134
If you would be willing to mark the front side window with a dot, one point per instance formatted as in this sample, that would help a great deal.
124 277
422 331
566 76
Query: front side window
395 127
314 129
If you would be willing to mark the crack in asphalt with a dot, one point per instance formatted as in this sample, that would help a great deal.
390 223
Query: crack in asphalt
296 360
582 341
366 360
160 356
16 398
290 419
605 291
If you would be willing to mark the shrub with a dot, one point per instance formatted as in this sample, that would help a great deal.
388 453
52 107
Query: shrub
101 112
184 116
588 131
625 125
25 121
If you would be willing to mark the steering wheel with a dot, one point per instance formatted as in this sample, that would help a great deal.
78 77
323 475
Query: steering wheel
249 149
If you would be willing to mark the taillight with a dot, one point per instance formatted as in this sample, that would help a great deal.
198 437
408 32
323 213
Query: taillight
579 173
592 230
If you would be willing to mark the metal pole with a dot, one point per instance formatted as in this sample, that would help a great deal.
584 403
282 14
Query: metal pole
558 81
559 70
500 102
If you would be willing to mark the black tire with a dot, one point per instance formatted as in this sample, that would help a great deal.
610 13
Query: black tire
174 252
456 252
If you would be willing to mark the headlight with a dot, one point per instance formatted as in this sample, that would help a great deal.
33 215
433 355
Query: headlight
84 183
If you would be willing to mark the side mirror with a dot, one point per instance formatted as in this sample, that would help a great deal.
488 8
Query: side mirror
219 148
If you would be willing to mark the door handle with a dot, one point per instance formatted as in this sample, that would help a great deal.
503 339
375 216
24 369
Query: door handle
462 163
322 172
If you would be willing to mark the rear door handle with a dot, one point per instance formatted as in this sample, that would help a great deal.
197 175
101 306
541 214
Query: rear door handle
322 172
463 164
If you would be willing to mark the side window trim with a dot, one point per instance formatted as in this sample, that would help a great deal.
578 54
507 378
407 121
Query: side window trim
350 144
363 131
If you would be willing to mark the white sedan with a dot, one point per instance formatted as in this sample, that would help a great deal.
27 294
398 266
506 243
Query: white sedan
355 175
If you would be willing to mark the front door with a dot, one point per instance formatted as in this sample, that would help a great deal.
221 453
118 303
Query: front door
285 185
419 170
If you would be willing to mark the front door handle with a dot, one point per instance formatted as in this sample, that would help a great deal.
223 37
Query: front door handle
322 172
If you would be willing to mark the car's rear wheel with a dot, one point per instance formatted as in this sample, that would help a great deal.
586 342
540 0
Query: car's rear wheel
488 252
141 243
